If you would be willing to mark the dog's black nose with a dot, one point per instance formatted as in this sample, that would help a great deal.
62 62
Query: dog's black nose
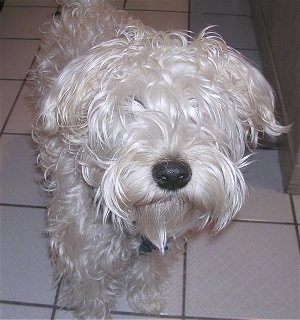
172 174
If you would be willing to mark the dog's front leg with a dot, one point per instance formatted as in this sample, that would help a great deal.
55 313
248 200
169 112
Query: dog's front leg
146 282
87 254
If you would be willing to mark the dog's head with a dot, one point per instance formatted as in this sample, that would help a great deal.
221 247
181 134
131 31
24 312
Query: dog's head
161 123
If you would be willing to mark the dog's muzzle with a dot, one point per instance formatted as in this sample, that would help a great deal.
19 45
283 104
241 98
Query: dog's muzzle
171 174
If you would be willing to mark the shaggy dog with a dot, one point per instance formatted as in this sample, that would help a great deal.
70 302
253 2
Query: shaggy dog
142 136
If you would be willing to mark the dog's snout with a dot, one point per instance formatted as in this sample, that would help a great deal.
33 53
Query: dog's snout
172 174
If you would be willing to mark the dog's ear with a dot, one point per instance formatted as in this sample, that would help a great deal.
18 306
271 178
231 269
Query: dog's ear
65 106
251 96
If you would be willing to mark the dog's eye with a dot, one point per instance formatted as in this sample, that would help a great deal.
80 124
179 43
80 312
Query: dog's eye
193 102
194 112
138 103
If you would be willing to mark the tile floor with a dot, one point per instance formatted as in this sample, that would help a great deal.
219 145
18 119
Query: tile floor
250 271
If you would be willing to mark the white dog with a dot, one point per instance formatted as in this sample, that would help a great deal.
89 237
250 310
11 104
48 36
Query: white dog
142 137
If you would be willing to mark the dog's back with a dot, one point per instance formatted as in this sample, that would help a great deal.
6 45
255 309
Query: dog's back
80 26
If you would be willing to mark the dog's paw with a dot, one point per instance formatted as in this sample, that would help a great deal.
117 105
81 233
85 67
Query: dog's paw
146 301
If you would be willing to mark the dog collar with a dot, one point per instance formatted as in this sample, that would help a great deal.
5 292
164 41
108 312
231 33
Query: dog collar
147 246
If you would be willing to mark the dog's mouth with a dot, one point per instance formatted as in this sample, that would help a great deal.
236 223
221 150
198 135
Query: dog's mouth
161 223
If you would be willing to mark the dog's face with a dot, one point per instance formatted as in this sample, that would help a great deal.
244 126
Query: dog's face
160 125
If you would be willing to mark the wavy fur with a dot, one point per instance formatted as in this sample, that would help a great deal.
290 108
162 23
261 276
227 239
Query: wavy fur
113 98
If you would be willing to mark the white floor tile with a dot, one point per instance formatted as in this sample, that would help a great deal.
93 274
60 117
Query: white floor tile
162 20
248 271
254 58
233 7
166 5
8 311
266 201
12 21
26 274
237 31
266 205
63 315
8 93
18 172
264 171
16 57
296 199
20 121
29 3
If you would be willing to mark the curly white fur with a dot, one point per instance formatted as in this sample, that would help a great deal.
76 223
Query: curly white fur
114 98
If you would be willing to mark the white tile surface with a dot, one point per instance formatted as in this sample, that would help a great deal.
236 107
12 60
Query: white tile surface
8 92
25 271
158 5
296 199
162 20
232 7
24 3
254 58
16 57
237 31
266 200
18 172
8 311
249 271
63 315
20 120
12 21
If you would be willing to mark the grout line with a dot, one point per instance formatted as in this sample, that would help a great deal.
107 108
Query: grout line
245 48
162 11
264 222
249 49
11 79
22 206
16 134
26 304
183 310
54 309
18 6
224 14
216 318
12 107
16 99
189 15
29 39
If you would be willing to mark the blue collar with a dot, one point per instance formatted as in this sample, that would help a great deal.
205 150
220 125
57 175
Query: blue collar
147 246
